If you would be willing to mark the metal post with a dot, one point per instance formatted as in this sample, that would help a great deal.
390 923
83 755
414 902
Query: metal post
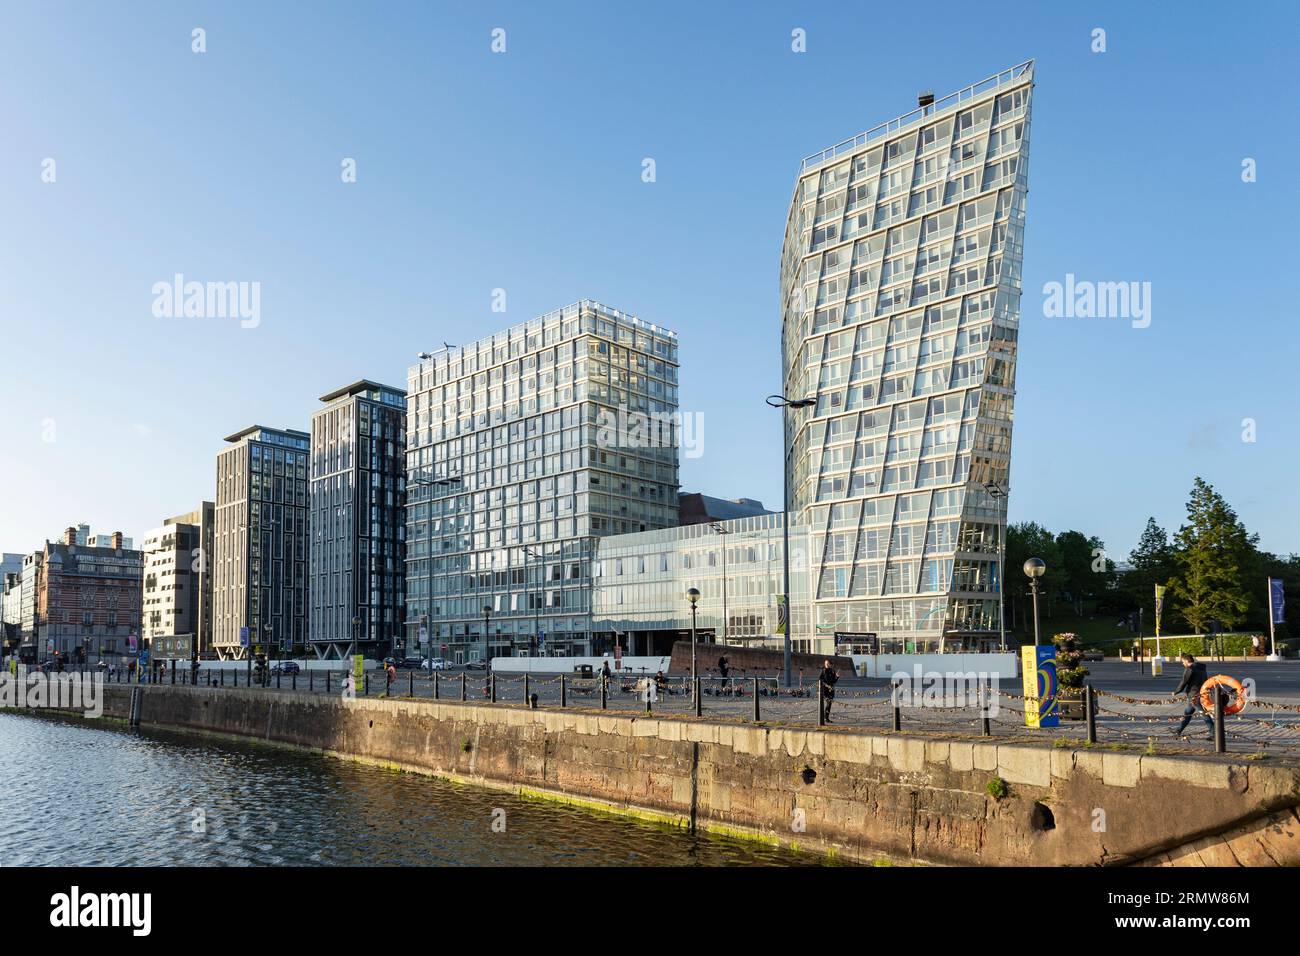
1090 712
1033 584
699 699
327 682
898 715
463 687
985 728
785 547
694 672
293 681
564 696
756 709
410 684
277 679
1220 738
821 705
365 681
604 690
492 681
526 686
311 680
435 683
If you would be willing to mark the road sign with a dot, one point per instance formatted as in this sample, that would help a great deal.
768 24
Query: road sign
541 639
243 637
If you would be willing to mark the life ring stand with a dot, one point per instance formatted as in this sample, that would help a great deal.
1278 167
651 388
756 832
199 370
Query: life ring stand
1238 702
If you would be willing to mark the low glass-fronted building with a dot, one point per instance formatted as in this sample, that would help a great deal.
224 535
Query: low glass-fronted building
641 580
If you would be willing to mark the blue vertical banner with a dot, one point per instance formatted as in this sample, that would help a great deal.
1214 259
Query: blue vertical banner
1276 602
1038 671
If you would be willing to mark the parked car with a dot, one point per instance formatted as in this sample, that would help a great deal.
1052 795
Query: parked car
287 668
413 663
438 664
477 665
1093 654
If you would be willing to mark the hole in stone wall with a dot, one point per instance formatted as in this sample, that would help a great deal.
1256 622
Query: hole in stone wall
1042 818
809 775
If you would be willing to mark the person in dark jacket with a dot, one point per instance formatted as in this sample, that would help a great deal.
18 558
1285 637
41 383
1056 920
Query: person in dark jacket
827 679
1193 677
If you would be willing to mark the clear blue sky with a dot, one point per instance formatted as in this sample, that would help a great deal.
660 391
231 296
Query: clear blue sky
522 171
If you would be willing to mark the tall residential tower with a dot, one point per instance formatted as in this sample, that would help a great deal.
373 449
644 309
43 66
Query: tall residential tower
522 448
358 530
900 286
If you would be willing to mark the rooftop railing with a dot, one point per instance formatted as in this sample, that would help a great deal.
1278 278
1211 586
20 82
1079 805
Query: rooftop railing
1007 77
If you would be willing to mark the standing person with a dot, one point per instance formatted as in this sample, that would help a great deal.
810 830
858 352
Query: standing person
1193 677
827 680
390 675
349 686
723 665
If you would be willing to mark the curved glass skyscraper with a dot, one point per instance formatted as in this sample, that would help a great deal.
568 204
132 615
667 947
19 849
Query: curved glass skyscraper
900 284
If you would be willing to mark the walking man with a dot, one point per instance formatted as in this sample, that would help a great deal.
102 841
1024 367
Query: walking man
827 680
390 675
1193 677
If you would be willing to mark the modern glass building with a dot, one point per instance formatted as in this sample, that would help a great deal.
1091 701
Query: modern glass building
900 285
522 449
641 581
259 569
358 522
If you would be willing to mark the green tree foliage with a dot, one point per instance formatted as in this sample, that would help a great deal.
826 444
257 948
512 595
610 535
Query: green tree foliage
1150 563
1213 557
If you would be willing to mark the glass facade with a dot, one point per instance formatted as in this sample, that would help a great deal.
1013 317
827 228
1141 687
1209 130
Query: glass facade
259 575
900 281
522 449
641 582
358 525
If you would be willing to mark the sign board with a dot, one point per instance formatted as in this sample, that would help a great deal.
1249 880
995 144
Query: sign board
358 668
541 639
424 636
861 639
1038 670
174 646
243 637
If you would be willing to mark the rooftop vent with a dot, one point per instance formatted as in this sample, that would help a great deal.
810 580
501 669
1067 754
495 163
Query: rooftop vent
925 98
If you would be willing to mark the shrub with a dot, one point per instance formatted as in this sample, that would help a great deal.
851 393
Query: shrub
996 788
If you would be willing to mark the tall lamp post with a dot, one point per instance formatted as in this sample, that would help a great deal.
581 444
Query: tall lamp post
1035 568
783 403
693 595
487 647
998 493
726 621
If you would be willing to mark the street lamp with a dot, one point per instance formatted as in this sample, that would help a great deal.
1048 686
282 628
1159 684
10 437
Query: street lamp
1035 568
783 403
487 648
998 493
693 595
726 621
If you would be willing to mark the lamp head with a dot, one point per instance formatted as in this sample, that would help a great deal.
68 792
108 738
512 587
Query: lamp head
693 595
1035 568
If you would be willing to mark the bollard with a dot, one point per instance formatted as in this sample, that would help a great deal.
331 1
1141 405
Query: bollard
604 691
532 702
435 685
699 699
366 685
173 675
1090 712
821 706
984 711
492 687
564 696
898 716
526 686
277 680
327 682
463 696
221 676
1220 738
756 711
410 684
311 680
293 681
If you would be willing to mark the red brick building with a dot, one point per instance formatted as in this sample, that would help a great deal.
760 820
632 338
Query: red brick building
87 597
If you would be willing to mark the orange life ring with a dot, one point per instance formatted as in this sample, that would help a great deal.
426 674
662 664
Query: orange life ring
1237 704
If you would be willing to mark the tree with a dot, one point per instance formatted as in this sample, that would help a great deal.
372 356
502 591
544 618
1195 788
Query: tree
1150 563
1025 540
1213 553
1085 571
